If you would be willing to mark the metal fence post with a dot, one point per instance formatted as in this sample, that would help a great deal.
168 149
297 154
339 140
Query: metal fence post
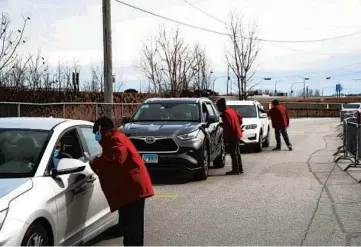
19 111
122 110
64 111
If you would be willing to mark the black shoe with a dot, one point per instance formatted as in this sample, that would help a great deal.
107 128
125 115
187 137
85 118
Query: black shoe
276 149
232 173
290 147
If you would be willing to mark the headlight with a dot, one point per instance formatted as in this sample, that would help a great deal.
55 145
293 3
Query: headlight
249 127
189 136
2 217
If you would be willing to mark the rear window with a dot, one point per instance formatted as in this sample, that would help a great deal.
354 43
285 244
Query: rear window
246 111
21 151
351 106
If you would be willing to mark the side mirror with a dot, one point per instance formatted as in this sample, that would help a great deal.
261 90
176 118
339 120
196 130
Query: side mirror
213 119
68 166
263 115
125 120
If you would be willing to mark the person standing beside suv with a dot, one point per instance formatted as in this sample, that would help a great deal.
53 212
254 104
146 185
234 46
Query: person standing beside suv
280 122
232 130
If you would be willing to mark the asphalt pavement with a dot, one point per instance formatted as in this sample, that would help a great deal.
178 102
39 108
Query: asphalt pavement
295 197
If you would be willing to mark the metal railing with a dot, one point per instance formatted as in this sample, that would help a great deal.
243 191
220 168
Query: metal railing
351 146
89 111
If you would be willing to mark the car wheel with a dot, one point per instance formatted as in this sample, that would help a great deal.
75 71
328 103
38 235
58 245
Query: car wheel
267 140
202 174
220 160
36 235
259 145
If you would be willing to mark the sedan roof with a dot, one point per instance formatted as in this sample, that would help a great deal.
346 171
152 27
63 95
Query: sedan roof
176 100
38 123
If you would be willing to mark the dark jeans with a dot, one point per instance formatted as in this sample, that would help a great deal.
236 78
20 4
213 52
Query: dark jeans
235 153
131 221
283 131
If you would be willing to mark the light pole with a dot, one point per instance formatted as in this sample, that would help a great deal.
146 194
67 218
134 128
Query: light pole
304 85
292 86
214 80
276 86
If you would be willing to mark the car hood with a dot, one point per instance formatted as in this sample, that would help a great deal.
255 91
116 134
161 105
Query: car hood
159 128
248 121
11 188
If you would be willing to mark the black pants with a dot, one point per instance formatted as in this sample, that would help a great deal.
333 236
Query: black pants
131 221
235 153
283 131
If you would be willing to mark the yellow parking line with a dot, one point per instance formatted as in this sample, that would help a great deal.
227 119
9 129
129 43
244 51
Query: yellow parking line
211 177
165 196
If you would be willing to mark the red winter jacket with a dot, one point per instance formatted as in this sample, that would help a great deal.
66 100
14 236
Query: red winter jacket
122 173
279 117
232 122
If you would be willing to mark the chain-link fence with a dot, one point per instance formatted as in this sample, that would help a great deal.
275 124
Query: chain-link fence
90 110
84 111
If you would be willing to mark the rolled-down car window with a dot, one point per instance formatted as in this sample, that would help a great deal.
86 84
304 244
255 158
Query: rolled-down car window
20 151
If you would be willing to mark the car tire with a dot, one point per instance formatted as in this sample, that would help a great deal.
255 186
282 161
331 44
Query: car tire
220 160
202 174
259 144
36 235
266 142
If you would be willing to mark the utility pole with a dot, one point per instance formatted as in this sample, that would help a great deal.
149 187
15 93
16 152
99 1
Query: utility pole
227 78
108 64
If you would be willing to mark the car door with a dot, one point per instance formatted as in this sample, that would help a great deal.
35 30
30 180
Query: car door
218 132
74 194
263 121
99 212
212 130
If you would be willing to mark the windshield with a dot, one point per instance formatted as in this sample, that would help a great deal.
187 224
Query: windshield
246 111
351 106
20 151
168 112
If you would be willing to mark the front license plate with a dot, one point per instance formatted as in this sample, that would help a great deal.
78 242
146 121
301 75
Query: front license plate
150 158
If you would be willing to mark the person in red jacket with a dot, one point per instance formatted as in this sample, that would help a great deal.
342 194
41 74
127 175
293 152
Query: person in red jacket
124 179
232 133
280 121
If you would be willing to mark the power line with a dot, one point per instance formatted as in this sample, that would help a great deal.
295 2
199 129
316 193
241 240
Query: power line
226 34
204 12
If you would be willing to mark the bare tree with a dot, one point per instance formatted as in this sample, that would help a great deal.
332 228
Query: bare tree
201 69
97 79
10 40
242 52
170 64
36 71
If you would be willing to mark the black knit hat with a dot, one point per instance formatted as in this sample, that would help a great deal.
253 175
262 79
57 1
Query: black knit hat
275 102
104 123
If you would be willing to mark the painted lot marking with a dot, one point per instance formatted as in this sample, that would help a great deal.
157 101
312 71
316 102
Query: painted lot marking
165 196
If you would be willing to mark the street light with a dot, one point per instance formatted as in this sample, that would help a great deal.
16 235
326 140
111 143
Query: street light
292 86
276 85
214 80
304 85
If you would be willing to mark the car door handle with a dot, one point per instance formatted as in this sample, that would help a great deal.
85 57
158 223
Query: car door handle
91 179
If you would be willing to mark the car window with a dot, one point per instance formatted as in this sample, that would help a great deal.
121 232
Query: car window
69 146
21 151
246 111
93 146
351 106
210 109
167 111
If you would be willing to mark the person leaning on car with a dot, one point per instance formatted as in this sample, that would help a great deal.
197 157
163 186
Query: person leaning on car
280 121
232 133
124 179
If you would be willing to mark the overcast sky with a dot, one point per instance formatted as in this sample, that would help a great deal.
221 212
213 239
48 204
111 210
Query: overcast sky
72 29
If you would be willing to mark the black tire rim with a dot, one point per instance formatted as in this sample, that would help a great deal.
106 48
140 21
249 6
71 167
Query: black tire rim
36 239
260 142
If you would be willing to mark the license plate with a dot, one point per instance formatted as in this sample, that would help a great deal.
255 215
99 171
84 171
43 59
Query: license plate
150 158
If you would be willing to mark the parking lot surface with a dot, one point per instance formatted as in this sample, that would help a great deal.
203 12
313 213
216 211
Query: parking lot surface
283 198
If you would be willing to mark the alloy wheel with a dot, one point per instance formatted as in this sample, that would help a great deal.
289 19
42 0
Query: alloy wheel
36 240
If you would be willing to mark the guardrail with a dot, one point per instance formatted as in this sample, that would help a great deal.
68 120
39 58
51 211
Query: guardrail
351 144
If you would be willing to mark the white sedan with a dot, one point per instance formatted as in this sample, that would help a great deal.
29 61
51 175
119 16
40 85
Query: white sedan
46 201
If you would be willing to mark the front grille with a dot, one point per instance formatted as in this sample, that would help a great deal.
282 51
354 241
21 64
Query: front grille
160 145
